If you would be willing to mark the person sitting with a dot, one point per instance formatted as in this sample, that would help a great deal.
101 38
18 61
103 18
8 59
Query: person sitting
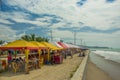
35 62
14 65
21 64
83 53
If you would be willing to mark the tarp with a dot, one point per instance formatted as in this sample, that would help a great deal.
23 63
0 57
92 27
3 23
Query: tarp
51 46
19 44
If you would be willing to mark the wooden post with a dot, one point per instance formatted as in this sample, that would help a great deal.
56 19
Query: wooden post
26 60
48 57
39 51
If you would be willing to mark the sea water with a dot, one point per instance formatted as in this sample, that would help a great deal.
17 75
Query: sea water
109 55
108 60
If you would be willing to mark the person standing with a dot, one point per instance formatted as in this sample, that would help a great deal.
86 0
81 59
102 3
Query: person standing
52 57
65 54
9 59
71 54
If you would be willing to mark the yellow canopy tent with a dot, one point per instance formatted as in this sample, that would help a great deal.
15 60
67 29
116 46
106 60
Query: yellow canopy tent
51 46
41 46
18 45
38 44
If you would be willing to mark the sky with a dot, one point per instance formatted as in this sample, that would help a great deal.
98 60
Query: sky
95 22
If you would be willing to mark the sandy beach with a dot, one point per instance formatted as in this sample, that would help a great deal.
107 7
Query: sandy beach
95 73
48 72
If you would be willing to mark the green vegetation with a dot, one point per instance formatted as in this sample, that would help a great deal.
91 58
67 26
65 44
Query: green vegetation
33 37
1 42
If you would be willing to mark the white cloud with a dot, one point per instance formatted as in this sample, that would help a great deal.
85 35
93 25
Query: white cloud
95 13
62 34
90 38
12 15
100 39
117 33
22 17
5 21
44 18
38 23
57 25
7 33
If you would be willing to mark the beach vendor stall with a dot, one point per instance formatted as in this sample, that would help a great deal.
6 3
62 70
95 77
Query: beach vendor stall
70 49
50 52
41 49
58 57
24 48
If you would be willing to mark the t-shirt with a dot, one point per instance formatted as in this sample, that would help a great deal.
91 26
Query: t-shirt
9 57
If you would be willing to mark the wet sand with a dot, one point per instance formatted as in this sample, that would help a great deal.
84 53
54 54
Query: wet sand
47 72
95 73
110 67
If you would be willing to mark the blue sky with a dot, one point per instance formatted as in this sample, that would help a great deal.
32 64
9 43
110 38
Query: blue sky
96 22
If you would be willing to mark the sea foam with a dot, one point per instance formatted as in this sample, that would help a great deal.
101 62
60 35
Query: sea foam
110 55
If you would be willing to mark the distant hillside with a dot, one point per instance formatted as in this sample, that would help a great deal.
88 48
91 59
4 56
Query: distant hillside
97 47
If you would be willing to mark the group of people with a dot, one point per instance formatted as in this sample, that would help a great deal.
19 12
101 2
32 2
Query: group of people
82 53
56 57
16 64
68 52
59 55
33 61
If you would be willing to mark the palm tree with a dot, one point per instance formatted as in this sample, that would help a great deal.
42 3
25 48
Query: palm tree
1 42
39 39
46 39
33 37
26 37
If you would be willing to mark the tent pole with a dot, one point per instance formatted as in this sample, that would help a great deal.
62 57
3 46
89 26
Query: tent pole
39 51
26 60
48 55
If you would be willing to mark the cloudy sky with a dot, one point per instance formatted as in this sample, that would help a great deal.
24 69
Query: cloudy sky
95 22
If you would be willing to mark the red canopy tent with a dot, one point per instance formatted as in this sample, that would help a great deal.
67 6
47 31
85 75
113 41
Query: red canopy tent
62 44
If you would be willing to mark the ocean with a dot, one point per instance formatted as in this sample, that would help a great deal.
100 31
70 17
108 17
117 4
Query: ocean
108 60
